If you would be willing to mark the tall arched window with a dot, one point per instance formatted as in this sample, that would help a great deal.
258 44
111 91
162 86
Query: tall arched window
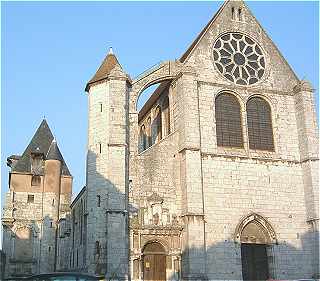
148 132
158 124
142 139
166 110
259 124
228 121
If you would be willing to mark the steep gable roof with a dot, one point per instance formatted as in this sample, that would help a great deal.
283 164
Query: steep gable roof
203 31
40 144
210 24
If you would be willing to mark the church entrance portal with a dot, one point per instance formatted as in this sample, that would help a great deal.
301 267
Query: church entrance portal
255 235
254 261
154 262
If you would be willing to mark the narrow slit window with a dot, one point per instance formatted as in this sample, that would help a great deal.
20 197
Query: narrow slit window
77 258
232 13
52 202
100 107
98 200
100 148
97 248
239 14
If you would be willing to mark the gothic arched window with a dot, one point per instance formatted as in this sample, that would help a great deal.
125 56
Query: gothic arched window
228 121
259 124
166 110
158 124
148 132
142 138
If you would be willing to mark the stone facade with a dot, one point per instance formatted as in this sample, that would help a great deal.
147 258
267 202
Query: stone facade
164 200
39 195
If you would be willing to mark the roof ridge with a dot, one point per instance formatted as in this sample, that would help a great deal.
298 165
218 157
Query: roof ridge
202 32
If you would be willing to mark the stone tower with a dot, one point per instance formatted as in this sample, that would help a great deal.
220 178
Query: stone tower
107 171
40 187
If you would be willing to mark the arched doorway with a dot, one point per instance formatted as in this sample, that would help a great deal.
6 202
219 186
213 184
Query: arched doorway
255 235
154 262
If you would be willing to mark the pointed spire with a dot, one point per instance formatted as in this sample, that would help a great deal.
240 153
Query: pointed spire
105 68
54 152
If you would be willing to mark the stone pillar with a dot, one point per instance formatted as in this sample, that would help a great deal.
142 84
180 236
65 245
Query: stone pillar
309 157
194 252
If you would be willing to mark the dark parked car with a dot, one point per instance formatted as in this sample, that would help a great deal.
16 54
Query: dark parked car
59 276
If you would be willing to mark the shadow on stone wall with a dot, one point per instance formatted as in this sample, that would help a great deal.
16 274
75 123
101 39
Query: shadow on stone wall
111 204
24 247
223 258
285 262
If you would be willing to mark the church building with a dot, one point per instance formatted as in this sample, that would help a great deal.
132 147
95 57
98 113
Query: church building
215 177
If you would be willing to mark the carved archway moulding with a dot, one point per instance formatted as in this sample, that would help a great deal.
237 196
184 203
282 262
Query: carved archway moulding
158 240
261 221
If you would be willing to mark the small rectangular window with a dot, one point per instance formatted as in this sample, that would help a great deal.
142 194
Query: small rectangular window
49 249
51 224
52 202
30 198
100 107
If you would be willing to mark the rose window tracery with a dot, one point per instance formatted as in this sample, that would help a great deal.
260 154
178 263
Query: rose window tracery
238 58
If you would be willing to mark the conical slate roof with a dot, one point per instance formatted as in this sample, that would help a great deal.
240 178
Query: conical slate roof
54 152
105 68
40 143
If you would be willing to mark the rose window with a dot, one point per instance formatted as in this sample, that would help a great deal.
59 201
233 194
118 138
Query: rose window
239 58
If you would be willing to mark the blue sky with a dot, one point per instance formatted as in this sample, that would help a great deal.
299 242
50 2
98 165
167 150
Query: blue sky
51 49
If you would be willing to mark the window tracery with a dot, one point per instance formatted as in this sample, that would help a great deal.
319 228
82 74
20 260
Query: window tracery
239 58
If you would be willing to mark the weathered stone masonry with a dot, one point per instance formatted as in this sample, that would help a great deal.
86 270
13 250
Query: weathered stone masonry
164 200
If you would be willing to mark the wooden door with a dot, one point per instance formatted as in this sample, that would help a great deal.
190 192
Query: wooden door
154 262
254 262
154 267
